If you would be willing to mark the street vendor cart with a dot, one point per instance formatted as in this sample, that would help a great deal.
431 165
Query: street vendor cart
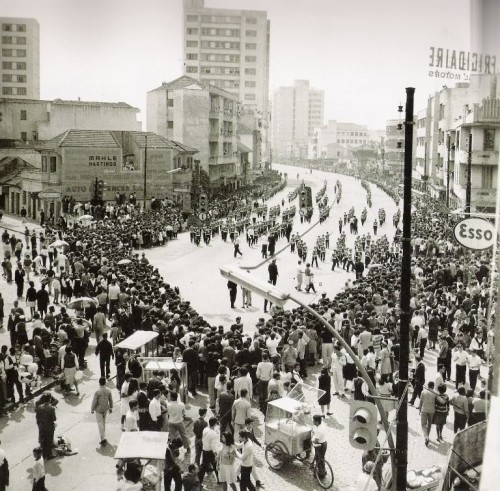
288 432
145 449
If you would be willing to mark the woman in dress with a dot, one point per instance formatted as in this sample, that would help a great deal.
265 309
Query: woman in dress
227 455
385 389
325 383
69 364
442 409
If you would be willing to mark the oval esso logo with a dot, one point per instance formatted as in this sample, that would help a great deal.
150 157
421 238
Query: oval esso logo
475 233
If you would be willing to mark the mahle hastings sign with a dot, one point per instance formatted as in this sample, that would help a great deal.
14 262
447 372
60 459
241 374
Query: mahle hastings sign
475 233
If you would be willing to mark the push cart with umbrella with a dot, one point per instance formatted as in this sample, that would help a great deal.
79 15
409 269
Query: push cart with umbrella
288 433
149 447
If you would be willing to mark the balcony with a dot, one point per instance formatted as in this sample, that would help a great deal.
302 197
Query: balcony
213 136
214 114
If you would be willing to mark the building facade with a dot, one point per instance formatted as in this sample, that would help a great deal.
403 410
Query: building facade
33 120
202 115
297 112
71 163
19 58
336 140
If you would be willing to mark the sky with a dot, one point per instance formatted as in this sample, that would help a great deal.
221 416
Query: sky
362 53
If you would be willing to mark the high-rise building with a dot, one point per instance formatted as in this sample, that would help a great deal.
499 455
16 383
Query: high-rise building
297 111
19 58
229 49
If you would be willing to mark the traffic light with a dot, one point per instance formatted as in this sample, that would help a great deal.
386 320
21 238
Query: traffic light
203 208
363 425
100 190
303 198
309 201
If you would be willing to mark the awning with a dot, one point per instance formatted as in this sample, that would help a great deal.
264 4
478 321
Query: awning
137 340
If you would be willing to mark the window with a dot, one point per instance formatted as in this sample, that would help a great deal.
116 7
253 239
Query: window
441 111
6 77
21 28
206 18
53 164
192 18
7 39
250 58
6 52
251 33
21 65
191 44
24 197
251 20
7 27
7 65
192 56
170 125
44 163
24 115
21 91
251 45
21 78
192 69
489 139
170 103
250 97
192 31
24 136
20 40
250 83
487 177
250 71
7 90
21 53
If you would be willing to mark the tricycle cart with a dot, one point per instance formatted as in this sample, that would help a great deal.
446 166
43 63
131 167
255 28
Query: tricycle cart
289 431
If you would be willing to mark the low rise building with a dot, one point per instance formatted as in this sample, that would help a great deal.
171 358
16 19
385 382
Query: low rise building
73 162
32 120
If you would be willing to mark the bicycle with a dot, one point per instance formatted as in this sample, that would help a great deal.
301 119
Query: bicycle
277 456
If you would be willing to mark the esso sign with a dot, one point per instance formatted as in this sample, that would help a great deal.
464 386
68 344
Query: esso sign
475 233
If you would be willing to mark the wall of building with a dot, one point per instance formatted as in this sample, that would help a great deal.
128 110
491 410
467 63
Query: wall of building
19 46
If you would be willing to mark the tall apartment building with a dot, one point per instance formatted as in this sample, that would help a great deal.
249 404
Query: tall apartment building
19 58
202 116
297 111
229 49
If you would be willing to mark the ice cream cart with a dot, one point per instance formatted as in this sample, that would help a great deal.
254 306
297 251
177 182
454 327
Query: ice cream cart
288 429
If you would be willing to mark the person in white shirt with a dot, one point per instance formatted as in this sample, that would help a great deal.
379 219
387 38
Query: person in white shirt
244 381
247 461
460 358
338 363
210 442
365 481
131 418
272 343
474 363
264 374
319 442
155 411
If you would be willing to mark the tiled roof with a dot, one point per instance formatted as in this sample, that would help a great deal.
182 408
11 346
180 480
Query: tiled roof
186 81
69 103
158 141
243 148
82 138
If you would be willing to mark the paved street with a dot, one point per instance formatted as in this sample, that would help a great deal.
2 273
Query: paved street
195 270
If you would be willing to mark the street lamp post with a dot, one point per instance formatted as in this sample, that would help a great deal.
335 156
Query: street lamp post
280 297
404 341
145 167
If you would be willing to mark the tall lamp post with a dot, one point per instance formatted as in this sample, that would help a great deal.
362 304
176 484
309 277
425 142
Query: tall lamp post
145 167
404 354
279 297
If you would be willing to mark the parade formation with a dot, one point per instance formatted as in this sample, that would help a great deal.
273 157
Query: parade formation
83 286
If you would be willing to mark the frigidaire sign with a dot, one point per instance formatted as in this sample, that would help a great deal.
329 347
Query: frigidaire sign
445 63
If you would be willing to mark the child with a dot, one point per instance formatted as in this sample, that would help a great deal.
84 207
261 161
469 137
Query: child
131 418
38 470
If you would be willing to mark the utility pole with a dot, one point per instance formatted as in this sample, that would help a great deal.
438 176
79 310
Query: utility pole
468 189
448 145
404 353
145 167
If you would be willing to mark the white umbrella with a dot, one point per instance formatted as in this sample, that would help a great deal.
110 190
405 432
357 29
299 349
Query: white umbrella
59 243
85 217
82 302
124 261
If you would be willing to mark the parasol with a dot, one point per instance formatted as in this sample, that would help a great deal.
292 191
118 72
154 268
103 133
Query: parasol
82 303
124 261
59 243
